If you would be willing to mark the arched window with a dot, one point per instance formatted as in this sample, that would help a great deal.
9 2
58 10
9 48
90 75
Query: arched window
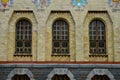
97 37
100 77
20 77
60 77
23 36
60 31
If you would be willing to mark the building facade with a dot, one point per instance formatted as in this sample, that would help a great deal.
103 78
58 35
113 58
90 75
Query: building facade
59 39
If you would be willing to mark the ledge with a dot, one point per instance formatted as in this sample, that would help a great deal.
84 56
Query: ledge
61 55
23 55
98 55
60 65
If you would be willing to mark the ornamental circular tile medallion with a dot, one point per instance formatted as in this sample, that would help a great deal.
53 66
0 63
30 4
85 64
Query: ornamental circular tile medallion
6 3
41 4
79 3
114 4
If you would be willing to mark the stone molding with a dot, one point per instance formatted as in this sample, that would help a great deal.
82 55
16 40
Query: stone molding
16 16
60 15
61 65
60 71
20 71
100 72
106 19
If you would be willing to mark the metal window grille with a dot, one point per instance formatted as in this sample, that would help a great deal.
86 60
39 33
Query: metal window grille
97 37
60 37
23 36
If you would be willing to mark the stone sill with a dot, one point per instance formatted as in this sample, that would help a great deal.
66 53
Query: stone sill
61 55
21 55
98 55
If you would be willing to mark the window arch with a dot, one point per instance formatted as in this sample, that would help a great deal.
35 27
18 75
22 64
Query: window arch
100 77
60 32
97 37
23 36
60 77
20 77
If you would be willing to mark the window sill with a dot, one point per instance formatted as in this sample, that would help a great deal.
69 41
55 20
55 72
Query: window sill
24 54
98 55
60 54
